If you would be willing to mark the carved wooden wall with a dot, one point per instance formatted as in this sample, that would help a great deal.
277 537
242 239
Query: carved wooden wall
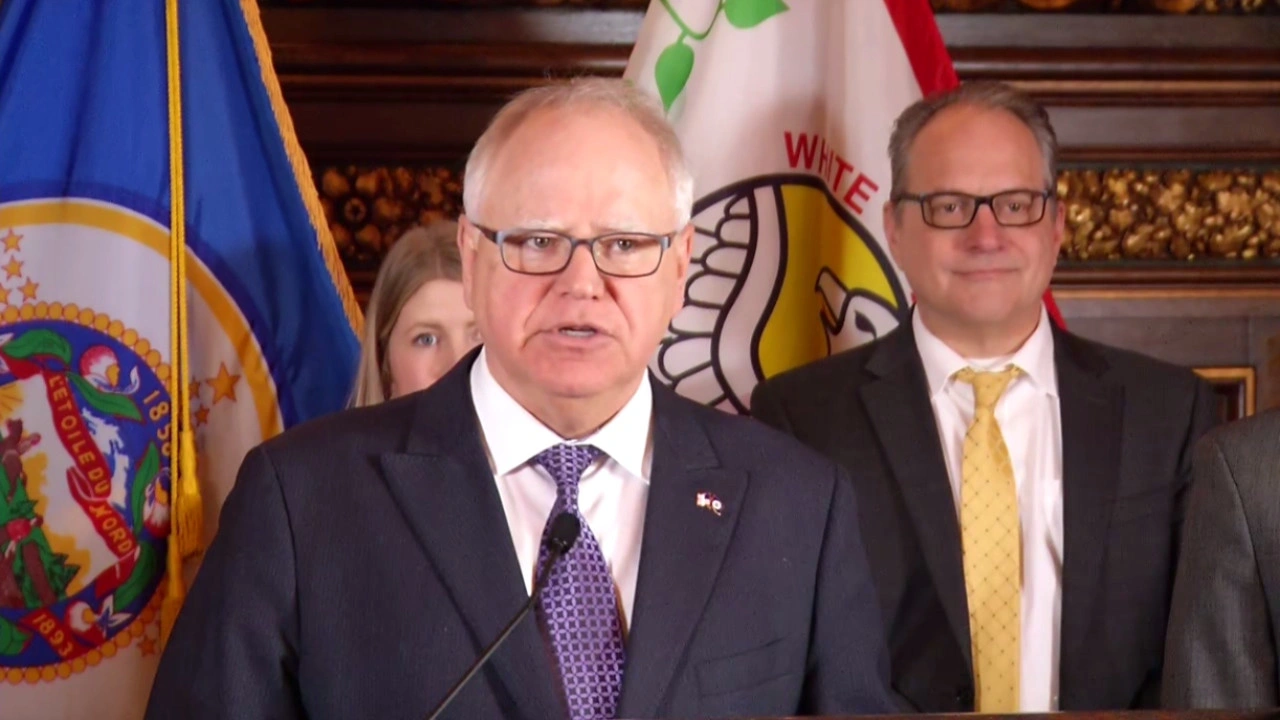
1168 112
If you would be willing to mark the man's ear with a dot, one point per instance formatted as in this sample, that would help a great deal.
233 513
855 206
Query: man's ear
1059 225
890 212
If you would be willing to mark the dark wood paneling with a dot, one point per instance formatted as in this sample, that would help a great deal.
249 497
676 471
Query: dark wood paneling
433 25
390 132
1155 7
1108 33
1191 134
1195 327
1166 275
419 85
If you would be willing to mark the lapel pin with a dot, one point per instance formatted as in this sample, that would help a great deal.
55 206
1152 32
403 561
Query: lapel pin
708 501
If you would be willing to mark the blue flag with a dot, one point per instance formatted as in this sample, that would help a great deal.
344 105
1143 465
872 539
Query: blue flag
109 112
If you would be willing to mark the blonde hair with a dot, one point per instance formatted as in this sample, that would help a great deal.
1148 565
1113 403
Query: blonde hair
420 255
583 92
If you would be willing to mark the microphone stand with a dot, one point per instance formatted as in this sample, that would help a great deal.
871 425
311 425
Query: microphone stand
564 533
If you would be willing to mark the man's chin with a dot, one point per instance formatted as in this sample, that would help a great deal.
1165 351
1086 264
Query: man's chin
996 319
577 386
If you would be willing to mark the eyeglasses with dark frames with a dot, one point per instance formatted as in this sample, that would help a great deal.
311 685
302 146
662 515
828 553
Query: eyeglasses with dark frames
952 210
547 252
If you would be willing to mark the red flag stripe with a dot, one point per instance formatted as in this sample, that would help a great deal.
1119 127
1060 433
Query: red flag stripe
926 51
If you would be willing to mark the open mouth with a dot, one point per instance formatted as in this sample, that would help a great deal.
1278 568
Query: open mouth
578 331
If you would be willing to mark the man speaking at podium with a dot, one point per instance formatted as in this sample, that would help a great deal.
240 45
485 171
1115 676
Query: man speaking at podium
367 560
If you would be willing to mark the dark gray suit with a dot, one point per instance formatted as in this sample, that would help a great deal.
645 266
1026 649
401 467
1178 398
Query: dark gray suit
364 560
1128 426
1223 629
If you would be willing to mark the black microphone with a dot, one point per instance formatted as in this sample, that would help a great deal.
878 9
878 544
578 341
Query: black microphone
564 533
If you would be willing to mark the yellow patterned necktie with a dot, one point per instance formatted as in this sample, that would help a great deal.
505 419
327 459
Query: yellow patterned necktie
991 537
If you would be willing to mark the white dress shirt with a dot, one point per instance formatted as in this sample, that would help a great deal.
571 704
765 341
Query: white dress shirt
1029 418
613 492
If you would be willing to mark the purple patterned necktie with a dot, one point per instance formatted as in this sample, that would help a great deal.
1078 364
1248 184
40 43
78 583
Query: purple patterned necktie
579 610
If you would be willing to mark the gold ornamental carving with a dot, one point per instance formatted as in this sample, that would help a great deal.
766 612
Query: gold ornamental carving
1128 214
369 208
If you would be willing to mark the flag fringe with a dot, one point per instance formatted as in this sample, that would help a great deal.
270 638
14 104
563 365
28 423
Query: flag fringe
301 168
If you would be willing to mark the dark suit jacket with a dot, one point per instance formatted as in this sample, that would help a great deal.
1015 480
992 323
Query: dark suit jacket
1128 425
364 561
1224 628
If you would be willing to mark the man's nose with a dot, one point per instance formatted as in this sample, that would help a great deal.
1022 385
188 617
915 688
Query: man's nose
984 233
581 277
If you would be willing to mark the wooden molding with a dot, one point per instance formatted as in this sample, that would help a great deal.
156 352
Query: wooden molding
1236 388
1155 7
386 85
1243 276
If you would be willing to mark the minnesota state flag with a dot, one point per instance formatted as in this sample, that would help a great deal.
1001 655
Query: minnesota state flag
166 282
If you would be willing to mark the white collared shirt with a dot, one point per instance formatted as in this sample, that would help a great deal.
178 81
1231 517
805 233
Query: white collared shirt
612 494
1030 420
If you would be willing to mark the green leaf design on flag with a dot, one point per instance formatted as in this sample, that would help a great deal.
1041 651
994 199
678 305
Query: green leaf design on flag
58 573
119 406
12 640
39 342
672 71
147 470
142 573
61 573
22 509
675 64
749 13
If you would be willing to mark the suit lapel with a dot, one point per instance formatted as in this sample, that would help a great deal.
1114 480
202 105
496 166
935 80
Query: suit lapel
1092 410
444 488
898 404
681 553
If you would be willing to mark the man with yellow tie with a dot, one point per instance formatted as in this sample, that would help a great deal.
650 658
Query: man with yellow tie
1020 488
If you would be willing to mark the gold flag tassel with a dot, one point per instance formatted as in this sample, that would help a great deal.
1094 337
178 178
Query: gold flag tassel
186 513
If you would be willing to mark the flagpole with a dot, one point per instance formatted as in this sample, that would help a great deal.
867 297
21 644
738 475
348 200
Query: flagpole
185 518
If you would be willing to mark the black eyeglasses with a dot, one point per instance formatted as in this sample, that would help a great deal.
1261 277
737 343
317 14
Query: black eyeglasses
546 252
951 210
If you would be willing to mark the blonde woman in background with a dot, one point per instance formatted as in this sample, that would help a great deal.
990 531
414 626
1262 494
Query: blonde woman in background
417 325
